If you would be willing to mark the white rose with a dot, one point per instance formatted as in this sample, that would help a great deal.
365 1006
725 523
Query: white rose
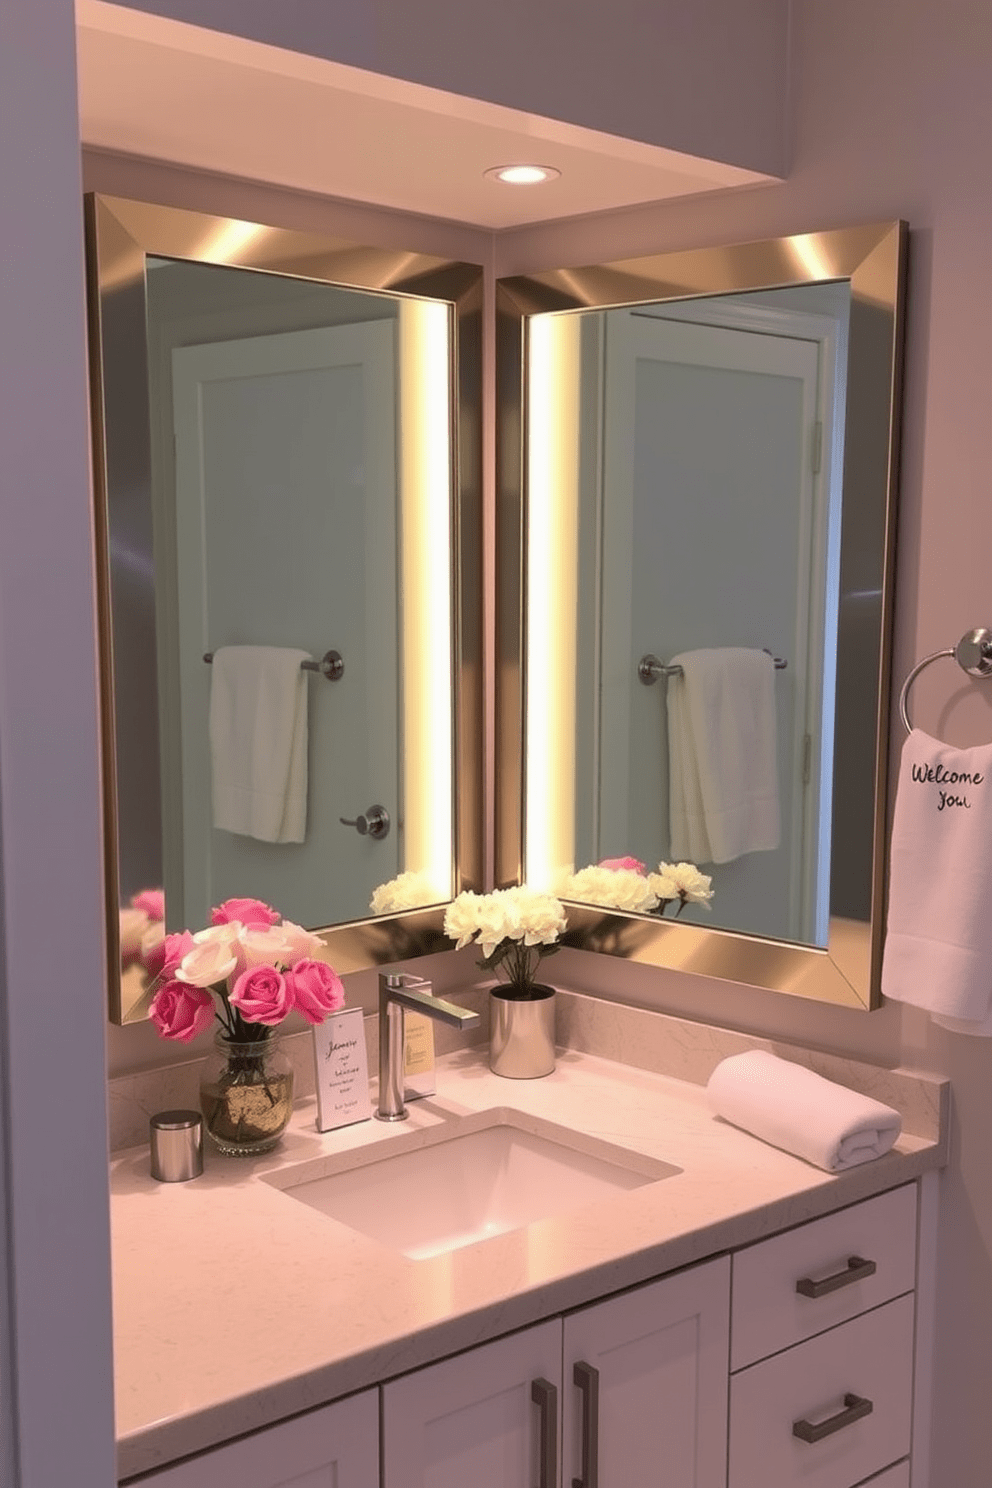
461 918
303 944
613 888
542 916
134 923
499 919
691 885
664 885
407 891
225 934
206 964
257 947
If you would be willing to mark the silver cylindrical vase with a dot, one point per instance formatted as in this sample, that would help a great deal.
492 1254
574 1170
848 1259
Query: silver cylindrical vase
522 1033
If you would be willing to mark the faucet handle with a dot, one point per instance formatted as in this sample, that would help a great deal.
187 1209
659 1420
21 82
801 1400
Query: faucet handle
395 980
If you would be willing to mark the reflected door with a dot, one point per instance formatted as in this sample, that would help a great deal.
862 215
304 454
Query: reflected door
709 526
286 531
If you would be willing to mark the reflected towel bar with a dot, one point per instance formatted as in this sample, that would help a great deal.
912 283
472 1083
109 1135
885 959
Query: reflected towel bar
973 654
649 668
330 665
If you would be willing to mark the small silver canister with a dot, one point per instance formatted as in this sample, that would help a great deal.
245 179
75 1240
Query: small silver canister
177 1145
522 1033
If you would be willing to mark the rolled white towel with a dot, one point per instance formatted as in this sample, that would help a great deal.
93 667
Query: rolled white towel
801 1112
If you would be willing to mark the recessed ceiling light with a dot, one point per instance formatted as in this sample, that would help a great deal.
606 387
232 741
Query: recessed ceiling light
522 175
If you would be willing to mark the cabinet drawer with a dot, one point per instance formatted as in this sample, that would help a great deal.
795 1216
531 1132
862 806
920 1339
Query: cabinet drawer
893 1477
768 1312
870 1358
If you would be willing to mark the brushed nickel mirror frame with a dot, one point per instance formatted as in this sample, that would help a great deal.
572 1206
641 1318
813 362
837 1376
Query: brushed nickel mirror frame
120 235
872 258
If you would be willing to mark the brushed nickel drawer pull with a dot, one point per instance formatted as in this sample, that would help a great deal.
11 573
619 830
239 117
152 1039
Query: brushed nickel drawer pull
856 1407
545 1396
586 1378
855 1270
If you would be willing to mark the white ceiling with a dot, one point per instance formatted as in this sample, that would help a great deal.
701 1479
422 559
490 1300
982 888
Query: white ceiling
166 91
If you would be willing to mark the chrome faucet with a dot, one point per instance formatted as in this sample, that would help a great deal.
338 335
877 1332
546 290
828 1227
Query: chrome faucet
398 991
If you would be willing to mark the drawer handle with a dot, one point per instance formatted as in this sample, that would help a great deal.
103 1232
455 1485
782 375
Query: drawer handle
856 1407
855 1270
586 1378
545 1396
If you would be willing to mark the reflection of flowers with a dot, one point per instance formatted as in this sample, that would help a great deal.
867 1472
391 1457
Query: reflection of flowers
623 884
628 862
681 881
407 891
515 928
248 974
142 928
612 888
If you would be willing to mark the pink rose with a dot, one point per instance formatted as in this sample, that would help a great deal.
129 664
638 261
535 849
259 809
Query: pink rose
180 1011
315 990
175 948
251 912
634 864
152 901
153 948
261 995
134 922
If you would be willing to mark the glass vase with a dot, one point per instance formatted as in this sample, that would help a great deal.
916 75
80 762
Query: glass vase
246 1095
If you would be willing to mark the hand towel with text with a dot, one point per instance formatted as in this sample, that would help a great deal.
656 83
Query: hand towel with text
798 1110
938 945
723 775
258 742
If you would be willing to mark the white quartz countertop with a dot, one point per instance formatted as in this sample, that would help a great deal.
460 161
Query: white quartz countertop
236 1306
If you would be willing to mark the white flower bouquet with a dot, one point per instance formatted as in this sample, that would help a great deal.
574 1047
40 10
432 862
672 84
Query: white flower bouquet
515 929
624 884
409 890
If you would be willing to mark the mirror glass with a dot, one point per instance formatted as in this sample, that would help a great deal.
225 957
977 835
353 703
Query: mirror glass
706 485
282 521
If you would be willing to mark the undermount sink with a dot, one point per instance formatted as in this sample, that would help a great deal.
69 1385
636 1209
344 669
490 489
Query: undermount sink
434 1191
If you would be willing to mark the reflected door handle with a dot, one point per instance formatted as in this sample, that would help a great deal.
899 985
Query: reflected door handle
374 822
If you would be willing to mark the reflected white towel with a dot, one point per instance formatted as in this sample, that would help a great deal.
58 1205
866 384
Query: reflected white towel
258 742
723 780
795 1109
938 946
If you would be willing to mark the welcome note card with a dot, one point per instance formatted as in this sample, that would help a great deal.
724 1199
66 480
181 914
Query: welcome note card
342 1070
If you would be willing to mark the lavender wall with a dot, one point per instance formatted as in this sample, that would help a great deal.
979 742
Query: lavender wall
56 1402
709 78
893 119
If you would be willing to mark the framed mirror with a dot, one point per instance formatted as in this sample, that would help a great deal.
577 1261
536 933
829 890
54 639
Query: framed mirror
288 462
698 465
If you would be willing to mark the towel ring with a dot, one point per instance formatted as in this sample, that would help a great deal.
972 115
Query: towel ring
973 654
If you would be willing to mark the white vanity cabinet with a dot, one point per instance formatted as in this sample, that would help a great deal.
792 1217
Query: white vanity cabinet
488 1416
336 1446
813 1328
645 1384
615 1393
822 1350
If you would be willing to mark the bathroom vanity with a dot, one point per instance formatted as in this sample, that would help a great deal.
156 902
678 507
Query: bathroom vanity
730 1316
